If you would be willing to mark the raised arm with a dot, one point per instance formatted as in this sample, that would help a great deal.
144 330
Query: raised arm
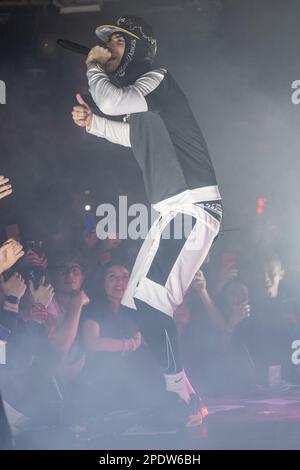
94 342
113 131
113 100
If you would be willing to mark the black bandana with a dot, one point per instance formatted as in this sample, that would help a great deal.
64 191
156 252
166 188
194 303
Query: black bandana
140 48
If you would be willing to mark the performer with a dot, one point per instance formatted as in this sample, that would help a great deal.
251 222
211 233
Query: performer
179 179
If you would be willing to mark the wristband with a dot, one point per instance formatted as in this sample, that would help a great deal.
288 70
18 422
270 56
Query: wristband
12 299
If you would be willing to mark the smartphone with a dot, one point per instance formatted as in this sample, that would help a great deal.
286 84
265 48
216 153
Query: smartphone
36 246
13 231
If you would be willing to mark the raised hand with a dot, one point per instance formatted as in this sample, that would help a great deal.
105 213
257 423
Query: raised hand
82 114
78 300
14 286
199 281
98 54
33 259
242 311
137 341
10 252
43 294
5 187
133 343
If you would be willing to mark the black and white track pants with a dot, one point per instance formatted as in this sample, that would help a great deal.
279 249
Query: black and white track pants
174 250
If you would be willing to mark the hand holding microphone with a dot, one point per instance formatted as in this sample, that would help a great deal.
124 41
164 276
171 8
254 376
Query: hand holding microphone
98 54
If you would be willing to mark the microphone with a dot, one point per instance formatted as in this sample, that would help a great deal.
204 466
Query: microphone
75 47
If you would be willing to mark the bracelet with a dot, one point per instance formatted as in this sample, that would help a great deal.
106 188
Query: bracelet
12 299
11 307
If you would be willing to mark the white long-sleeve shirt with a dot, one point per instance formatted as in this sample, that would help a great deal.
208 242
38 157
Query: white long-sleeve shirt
115 132
161 130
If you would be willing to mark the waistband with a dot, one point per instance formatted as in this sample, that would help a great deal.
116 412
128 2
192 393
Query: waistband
190 196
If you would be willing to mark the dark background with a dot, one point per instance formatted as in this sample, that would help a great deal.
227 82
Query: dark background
235 60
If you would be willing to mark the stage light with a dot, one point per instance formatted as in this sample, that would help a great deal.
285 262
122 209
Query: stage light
260 207
78 6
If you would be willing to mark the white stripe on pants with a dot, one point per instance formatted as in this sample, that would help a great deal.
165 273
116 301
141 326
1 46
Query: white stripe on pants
167 297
